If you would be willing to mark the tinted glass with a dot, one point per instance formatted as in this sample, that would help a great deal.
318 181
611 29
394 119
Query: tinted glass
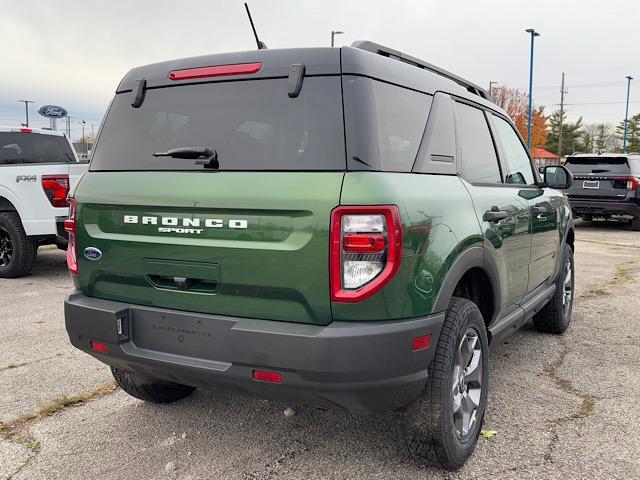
253 125
479 159
518 163
578 165
385 124
18 147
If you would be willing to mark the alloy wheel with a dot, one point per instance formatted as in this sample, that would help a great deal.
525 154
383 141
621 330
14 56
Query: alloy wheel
6 248
467 383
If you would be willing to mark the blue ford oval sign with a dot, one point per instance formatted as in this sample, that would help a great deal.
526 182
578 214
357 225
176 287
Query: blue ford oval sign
52 111
92 253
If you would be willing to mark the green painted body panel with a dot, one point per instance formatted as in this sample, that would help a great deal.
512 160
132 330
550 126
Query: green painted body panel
276 268
438 222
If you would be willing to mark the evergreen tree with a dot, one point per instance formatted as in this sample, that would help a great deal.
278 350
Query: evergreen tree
633 133
571 141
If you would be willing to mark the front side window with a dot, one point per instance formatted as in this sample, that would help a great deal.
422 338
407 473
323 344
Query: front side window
479 159
518 164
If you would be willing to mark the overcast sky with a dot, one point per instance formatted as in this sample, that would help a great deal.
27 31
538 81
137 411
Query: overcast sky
73 53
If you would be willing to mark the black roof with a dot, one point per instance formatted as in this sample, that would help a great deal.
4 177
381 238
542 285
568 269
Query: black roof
363 58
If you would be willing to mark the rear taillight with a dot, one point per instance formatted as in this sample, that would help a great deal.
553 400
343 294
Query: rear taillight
630 183
72 247
56 188
366 250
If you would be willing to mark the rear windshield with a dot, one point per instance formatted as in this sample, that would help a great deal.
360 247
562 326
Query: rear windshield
17 148
252 125
597 165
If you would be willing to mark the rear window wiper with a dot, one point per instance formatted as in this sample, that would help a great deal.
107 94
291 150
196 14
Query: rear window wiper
208 155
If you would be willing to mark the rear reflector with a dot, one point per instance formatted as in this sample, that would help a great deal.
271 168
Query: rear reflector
420 343
217 71
99 347
272 377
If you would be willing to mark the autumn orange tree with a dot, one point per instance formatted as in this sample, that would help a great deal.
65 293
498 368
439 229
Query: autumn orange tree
516 103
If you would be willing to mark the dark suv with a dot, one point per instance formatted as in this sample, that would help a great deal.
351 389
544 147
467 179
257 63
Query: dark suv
605 186
345 227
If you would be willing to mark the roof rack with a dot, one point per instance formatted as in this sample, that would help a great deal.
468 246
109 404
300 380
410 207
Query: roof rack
416 62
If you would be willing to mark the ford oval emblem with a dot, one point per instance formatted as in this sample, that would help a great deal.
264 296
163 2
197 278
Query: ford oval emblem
53 111
92 253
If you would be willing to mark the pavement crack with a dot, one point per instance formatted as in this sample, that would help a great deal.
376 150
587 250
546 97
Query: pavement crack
11 366
622 275
272 469
17 430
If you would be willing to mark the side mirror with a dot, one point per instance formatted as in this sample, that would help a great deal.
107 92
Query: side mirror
556 176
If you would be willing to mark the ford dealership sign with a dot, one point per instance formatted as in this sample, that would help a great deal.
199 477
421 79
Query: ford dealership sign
52 111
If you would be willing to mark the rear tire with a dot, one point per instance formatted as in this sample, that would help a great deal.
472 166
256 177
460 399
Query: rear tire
17 251
635 224
555 316
442 425
150 389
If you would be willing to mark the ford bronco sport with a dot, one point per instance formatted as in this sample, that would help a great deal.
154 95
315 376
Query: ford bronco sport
349 228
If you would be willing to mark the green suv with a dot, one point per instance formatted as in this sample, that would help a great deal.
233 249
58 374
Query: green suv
349 228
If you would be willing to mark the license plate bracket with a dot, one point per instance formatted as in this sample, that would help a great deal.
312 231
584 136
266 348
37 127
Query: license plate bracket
593 184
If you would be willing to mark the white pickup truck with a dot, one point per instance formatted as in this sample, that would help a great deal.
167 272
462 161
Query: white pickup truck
37 169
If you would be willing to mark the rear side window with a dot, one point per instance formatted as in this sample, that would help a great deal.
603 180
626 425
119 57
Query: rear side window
18 148
253 125
615 165
479 159
385 124
519 169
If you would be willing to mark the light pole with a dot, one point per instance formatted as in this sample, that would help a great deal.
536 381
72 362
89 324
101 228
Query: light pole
534 34
626 115
26 110
84 140
333 34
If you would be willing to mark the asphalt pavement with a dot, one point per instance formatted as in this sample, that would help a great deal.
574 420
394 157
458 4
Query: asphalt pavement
562 407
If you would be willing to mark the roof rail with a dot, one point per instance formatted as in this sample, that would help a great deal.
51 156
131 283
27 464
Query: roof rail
416 62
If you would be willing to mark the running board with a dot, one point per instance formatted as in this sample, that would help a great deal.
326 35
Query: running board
517 318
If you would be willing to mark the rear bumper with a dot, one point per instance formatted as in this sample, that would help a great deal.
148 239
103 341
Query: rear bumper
596 208
357 366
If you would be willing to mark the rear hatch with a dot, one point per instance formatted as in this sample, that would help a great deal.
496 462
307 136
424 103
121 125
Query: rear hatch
599 178
248 239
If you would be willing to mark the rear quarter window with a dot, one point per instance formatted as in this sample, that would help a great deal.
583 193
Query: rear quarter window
384 124
253 125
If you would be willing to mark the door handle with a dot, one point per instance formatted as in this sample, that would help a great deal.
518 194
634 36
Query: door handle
495 215
538 209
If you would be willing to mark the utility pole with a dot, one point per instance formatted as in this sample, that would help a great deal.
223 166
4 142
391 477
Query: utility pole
562 94
626 115
333 35
26 110
534 34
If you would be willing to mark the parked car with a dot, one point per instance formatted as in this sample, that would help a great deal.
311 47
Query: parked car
37 168
345 227
606 186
